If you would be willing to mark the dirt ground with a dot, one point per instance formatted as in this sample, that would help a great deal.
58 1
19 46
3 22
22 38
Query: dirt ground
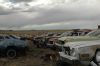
33 58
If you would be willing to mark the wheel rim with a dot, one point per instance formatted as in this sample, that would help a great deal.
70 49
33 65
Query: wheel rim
98 58
11 53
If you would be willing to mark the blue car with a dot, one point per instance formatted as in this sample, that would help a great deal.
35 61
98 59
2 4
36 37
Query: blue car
12 47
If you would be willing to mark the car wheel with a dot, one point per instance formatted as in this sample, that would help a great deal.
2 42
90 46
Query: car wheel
97 58
11 53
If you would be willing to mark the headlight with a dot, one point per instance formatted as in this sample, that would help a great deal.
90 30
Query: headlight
67 50
72 52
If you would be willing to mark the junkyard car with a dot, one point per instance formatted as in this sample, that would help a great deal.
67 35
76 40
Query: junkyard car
82 51
12 47
68 39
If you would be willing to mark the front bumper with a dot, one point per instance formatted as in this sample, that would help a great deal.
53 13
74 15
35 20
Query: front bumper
68 59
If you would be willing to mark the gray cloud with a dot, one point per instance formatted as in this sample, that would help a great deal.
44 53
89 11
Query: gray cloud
4 11
62 14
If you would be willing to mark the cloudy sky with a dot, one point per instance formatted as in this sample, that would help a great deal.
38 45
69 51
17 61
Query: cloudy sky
49 14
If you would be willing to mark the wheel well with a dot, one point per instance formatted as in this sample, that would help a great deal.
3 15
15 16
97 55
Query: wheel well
94 54
93 59
98 49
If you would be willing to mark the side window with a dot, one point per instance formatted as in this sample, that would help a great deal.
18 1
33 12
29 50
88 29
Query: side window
3 42
6 37
1 37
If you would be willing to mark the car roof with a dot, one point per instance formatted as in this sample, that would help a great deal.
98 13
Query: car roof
13 40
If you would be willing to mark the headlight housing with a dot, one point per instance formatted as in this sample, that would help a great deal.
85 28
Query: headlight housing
67 50
72 52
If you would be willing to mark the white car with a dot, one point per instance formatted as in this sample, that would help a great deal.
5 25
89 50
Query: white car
82 51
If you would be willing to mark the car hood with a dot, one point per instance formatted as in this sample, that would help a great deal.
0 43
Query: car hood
78 38
82 44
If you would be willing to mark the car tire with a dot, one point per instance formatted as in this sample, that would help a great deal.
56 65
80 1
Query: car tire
11 53
97 58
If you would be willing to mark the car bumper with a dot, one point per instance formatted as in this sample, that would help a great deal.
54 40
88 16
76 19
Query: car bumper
68 59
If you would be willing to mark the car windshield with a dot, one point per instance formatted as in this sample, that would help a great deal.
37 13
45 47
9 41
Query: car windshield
94 33
13 36
60 42
50 34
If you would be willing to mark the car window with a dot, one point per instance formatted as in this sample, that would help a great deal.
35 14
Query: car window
12 36
7 37
4 42
60 42
1 42
50 34
1 37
